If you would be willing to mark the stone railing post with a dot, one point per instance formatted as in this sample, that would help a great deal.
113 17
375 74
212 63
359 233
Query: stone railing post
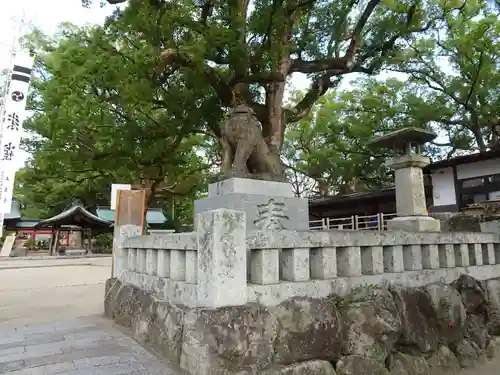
222 258
120 257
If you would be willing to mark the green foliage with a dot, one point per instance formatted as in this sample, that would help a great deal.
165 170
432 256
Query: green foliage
447 81
246 52
33 245
103 244
42 244
132 100
138 99
30 244
329 145
100 117
454 77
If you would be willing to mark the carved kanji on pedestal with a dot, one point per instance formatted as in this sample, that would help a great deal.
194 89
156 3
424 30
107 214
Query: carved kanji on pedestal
271 215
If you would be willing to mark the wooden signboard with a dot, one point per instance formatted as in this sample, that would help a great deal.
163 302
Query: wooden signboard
130 208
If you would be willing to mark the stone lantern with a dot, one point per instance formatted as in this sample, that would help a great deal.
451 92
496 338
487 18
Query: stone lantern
410 193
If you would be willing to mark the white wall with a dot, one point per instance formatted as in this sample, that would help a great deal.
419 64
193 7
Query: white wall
443 184
443 187
478 168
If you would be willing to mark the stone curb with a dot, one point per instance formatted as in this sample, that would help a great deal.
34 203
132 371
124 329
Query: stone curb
14 267
95 256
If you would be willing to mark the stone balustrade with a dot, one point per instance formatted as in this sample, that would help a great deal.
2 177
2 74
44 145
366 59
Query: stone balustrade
285 264
171 256
301 256
221 265
166 264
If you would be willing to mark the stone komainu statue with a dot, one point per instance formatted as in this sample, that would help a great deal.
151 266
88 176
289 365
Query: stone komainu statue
245 152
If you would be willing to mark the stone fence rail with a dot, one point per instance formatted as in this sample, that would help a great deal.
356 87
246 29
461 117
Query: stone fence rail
324 255
172 256
222 265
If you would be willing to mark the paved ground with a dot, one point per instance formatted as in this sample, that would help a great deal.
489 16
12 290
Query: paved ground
51 322
38 291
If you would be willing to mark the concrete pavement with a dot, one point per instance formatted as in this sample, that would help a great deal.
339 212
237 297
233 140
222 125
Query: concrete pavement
37 291
85 346
35 262
51 322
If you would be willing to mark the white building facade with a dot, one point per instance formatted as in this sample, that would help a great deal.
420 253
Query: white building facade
464 180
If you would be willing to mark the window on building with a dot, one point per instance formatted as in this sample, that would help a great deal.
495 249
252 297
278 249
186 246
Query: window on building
494 195
494 179
478 189
472 182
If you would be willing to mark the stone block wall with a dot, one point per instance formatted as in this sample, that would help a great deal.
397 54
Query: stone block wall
222 301
436 329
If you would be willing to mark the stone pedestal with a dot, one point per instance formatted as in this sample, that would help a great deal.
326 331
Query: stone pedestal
414 224
267 204
410 195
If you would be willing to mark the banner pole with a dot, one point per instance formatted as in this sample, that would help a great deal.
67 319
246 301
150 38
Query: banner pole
5 91
18 76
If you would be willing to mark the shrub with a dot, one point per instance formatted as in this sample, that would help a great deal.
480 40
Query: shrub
103 244
30 244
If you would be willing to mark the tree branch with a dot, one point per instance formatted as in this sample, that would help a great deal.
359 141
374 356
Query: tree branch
339 64
358 29
260 78
173 58
336 65
318 88
475 79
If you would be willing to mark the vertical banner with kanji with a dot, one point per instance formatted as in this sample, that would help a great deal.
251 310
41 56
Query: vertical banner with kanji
12 122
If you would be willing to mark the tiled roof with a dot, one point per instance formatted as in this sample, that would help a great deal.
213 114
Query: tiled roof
153 216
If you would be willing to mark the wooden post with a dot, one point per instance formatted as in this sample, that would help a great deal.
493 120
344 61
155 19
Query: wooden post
56 241
89 250
51 240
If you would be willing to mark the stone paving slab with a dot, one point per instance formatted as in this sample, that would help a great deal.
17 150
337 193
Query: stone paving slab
54 257
84 346
18 263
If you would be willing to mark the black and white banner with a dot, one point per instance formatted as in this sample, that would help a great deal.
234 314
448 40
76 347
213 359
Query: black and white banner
11 126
